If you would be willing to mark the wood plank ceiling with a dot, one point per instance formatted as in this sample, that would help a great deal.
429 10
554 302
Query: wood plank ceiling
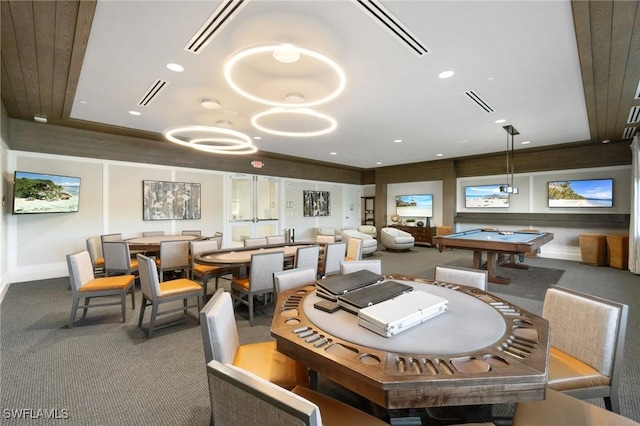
43 45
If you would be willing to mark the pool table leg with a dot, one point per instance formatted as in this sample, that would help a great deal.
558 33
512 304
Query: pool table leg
492 267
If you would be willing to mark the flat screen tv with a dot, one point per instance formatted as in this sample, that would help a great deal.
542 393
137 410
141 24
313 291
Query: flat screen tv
419 205
581 193
485 196
43 193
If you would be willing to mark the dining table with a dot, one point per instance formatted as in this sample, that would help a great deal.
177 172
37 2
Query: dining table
152 243
482 350
241 256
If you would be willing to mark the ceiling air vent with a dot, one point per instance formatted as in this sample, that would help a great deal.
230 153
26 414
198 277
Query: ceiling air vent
629 132
220 17
385 18
634 115
479 101
153 91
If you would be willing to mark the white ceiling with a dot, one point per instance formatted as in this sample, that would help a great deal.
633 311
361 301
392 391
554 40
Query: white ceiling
518 56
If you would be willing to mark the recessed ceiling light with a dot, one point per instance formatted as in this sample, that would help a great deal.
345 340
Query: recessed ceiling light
491 78
83 102
257 138
40 118
525 142
333 153
398 140
210 104
439 155
446 74
502 120
378 162
175 67
606 141
135 113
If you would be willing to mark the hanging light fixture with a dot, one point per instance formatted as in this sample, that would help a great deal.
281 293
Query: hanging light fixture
509 188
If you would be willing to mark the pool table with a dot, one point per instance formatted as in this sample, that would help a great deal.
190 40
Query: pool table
496 244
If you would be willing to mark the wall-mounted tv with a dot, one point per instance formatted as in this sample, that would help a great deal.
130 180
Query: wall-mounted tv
581 193
43 193
420 205
485 196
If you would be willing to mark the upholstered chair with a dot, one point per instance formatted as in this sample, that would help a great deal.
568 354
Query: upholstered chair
275 239
369 243
94 247
231 387
369 230
373 265
260 280
293 278
156 293
587 344
194 232
254 242
204 273
354 249
307 257
174 256
334 253
221 343
330 231
465 276
396 239
85 286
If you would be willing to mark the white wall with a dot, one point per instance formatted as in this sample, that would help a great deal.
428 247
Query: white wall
4 196
532 198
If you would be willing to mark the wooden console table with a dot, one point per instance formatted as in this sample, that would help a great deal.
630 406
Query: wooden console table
422 234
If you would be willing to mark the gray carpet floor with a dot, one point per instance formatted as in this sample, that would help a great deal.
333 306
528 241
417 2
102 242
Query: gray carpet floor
104 372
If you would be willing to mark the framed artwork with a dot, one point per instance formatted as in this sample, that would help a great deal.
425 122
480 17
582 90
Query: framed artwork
581 193
316 203
170 200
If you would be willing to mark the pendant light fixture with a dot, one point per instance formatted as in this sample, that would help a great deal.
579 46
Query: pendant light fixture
509 187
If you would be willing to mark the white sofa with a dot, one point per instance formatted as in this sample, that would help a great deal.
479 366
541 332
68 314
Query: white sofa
369 244
329 231
396 239
368 229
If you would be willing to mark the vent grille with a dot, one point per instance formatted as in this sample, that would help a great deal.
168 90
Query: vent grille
385 18
479 101
153 91
634 115
629 132
218 19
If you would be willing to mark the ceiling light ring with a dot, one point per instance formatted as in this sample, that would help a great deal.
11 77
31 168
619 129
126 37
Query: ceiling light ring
234 59
236 141
333 124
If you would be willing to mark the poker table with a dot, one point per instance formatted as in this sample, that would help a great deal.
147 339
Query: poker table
152 243
496 244
483 350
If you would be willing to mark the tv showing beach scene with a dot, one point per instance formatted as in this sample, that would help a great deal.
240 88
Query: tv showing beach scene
43 193
488 196
581 193
419 205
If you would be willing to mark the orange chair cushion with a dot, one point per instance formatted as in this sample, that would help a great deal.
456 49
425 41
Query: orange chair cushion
561 409
334 412
204 269
118 282
241 282
567 372
264 360
179 286
99 261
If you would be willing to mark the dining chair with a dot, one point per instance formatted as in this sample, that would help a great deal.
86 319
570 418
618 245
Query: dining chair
354 249
464 276
118 261
152 233
275 239
204 273
110 237
84 285
587 344
307 257
94 247
221 343
373 265
253 242
560 409
231 387
174 256
325 239
194 232
156 293
260 280
334 253
293 278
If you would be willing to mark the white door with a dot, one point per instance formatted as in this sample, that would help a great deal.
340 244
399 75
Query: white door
254 209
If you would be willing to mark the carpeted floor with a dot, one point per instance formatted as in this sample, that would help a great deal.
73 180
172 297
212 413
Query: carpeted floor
104 372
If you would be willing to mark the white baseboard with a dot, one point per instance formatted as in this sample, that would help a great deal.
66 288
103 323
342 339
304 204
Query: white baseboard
39 272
